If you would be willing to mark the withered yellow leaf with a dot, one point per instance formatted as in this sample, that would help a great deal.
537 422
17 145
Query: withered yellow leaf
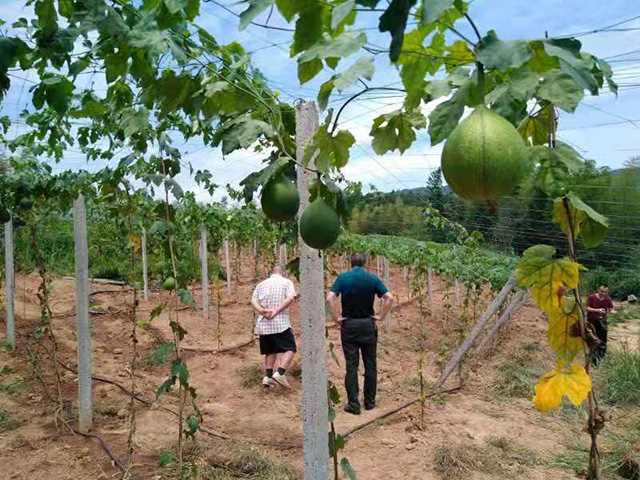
565 381
561 322
545 276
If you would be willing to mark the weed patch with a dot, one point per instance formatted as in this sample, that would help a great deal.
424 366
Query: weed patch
251 376
518 375
619 378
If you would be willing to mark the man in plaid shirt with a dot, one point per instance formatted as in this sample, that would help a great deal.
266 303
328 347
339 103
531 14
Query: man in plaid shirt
271 299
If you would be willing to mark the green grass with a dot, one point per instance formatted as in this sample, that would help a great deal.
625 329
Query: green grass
14 387
624 315
251 375
619 377
501 457
615 446
229 461
7 423
518 374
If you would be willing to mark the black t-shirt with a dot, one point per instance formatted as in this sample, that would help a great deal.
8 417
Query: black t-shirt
357 289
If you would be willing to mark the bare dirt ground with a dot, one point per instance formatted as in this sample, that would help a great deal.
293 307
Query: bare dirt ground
412 444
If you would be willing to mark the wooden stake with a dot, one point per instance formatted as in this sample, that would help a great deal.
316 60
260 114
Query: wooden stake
314 380
85 414
517 302
475 333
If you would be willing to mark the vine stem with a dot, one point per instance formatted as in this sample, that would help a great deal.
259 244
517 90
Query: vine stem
480 70
473 25
175 334
353 97
596 422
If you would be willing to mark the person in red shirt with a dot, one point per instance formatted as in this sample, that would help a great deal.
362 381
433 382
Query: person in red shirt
599 305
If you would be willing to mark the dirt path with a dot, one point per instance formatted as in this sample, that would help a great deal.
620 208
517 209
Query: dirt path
234 404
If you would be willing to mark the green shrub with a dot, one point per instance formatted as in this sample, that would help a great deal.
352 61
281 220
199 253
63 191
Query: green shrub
622 282
620 378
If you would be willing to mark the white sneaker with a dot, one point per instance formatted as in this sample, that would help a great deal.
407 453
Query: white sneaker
281 379
266 381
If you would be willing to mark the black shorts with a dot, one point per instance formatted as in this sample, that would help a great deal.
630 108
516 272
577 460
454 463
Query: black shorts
278 342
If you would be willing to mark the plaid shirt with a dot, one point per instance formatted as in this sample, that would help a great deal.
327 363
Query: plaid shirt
270 294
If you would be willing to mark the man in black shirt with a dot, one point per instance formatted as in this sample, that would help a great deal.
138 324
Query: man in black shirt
359 333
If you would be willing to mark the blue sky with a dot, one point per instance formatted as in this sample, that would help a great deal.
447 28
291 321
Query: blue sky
601 128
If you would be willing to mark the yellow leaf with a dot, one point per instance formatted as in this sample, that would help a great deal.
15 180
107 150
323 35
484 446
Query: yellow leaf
559 335
571 382
134 241
546 276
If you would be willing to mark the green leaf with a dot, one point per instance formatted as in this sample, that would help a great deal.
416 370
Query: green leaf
255 8
174 6
177 329
338 47
134 121
179 369
288 8
394 21
192 9
573 63
446 116
432 10
193 426
334 394
330 150
257 179
587 223
416 61
325 92
332 418
166 458
546 277
308 28
47 16
395 130
348 470
560 89
607 72
240 132
459 54
568 156
66 8
437 88
166 386
494 53
186 298
362 68
535 128
340 12
308 70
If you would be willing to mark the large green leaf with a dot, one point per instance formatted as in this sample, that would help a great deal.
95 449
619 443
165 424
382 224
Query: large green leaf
308 28
535 128
257 179
241 132
446 116
458 54
546 276
577 66
362 68
588 224
416 60
560 89
494 53
330 151
340 12
255 8
395 130
288 8
338 47
432 10
308 70
174 6
607 72
394 21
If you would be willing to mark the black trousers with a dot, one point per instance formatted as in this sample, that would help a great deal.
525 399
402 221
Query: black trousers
360 336
599 351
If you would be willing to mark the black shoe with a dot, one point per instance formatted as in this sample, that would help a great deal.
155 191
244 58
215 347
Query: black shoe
351 409
370 406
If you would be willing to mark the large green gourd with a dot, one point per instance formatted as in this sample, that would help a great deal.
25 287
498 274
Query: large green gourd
280 199
319 225
485 157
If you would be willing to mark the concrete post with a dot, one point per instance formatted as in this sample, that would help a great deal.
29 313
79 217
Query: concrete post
205 274
145 268
387 281
82 314
312 307
9 283
227 263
